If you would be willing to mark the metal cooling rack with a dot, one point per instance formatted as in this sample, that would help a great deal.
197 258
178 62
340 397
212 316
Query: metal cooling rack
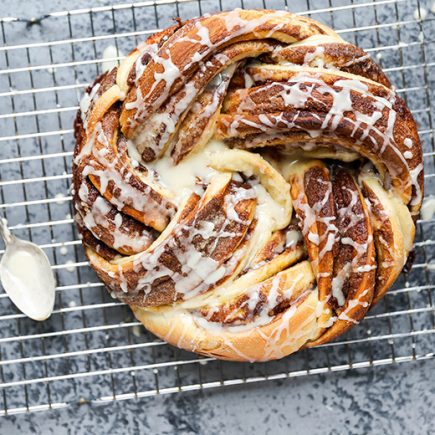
92 349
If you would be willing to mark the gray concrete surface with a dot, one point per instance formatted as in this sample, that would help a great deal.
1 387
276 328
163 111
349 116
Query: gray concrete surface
384 400
391 399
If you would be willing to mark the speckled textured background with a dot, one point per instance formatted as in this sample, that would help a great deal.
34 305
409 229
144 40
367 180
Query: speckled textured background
384 400
387 399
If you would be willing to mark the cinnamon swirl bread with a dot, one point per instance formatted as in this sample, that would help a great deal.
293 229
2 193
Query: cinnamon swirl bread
247 182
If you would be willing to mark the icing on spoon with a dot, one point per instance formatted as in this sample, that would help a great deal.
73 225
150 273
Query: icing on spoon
26 275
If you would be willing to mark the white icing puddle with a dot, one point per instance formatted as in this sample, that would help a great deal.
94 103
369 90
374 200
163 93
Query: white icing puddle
110 53
182 179
428 208
420 14
26 276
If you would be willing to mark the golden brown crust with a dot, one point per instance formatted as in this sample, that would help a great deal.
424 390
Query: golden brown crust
333 55
353 282
270 109
313 200
192 155
222 29
284 334
393 232
153 276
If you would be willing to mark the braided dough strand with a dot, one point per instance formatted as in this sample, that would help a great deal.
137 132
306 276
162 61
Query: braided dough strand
247 182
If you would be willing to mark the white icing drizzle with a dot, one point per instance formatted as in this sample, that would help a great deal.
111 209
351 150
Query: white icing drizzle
235 26
408 142
299 90
317 55
293 237
103 166
165 121
85 103
275 293
197 269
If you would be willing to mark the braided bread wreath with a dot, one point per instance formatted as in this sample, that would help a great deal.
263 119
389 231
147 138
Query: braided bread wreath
192 155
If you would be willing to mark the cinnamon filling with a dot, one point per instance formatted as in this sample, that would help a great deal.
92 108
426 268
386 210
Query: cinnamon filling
246 172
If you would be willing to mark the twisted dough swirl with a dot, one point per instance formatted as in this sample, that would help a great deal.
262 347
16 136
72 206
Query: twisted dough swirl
193 154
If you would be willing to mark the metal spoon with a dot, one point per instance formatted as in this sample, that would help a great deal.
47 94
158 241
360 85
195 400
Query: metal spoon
26 275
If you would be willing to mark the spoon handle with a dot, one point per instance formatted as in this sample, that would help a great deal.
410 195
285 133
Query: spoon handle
7 236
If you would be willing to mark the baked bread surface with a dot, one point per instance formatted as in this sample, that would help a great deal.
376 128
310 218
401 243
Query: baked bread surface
247 182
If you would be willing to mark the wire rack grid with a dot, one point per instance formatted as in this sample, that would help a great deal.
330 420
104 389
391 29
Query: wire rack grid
92 349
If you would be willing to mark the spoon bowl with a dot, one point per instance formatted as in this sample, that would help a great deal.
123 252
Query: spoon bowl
27 276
